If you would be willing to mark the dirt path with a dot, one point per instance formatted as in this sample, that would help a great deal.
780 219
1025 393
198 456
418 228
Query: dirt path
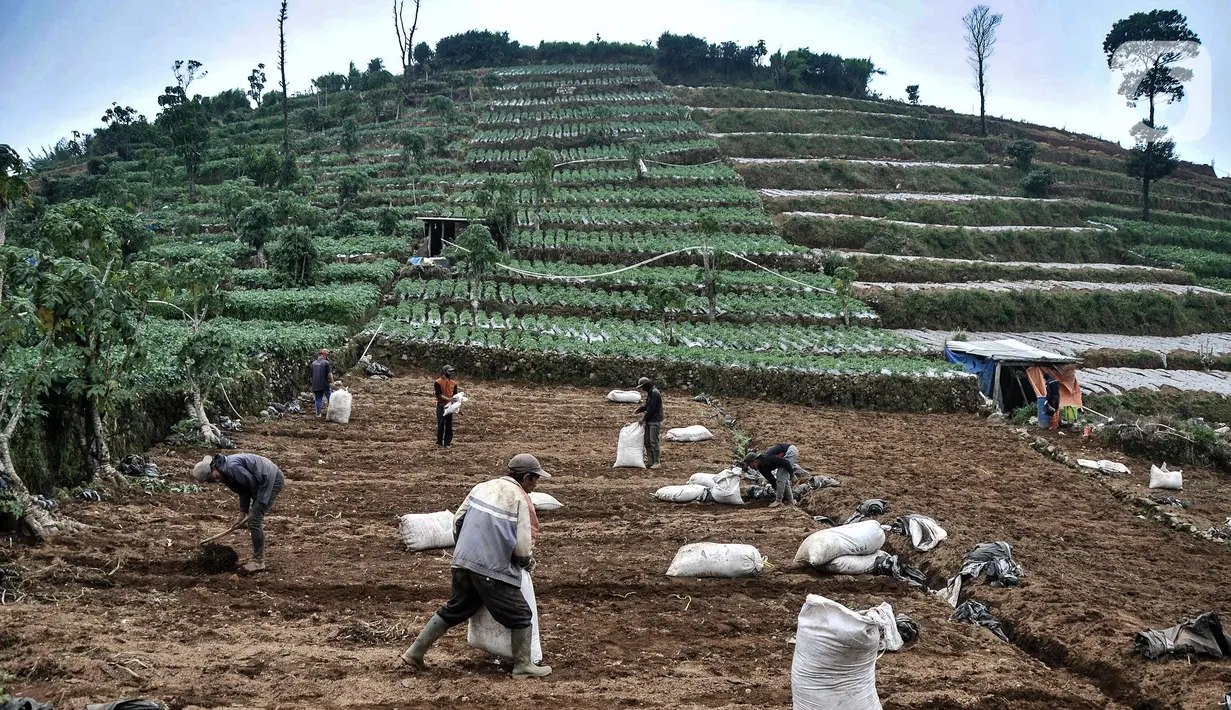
121 613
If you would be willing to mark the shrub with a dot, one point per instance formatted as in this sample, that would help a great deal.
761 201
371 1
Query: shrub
1038 183
1022 152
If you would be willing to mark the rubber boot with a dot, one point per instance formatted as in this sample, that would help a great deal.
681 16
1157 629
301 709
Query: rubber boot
522 666
436 627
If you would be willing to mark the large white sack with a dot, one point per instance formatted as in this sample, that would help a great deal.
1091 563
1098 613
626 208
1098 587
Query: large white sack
458 400
682 494
712 559
624 396
629 452
835 658
862 538
1163 478
1103 465
426 531
702 479
854 564
486 634
339 407
726 488
695 432
542 501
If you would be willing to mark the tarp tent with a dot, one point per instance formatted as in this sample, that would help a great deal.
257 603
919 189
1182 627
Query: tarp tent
1012 373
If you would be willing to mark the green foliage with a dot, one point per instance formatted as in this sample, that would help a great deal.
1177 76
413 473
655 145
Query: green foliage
1022 152
256 224
295 254
541 166
350 184
912 94
497 198
1147 46
478 254
262 166
387 220
350 137
844 284
1038 183
665 299
340 304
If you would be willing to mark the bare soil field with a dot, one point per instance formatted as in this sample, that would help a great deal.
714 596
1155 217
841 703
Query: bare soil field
123 610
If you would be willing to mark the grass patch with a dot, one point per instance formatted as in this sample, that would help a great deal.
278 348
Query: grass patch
720 97
837 175
788 145
860 124
872 267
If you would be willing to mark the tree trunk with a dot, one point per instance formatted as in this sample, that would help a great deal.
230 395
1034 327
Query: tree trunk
101 470
261 261
192 186
4 216
1145 199
196 410
982 102
40 523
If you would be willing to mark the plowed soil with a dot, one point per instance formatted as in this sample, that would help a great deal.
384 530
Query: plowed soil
126 609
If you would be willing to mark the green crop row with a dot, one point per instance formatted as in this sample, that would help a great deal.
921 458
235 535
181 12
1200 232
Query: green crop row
379 273
619 97
731 97
647 242
841 175
580 113
593 152
677 275
592 132
796 145
342 304
616 217
821 121
722 194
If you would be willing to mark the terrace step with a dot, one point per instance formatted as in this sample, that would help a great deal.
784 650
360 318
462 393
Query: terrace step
985 228
1078 343
779 193
1118 380
1020 286
711 109
866 161
831 135
1069 266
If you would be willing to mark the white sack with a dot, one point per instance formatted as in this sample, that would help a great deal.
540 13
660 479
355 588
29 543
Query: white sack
339 407
682 494
726 488
862 538
1163 478
689 433
835 658
891 638
702 479
426 531
712 559
1103 465
854 564
925 533
456 404
624 396
487 635
542 501
629 452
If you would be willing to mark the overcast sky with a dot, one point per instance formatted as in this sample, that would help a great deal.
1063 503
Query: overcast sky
65 61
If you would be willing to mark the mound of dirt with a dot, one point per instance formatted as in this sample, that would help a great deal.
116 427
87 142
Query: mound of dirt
214 559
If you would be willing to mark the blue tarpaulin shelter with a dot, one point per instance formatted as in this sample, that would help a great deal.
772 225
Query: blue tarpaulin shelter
1001 367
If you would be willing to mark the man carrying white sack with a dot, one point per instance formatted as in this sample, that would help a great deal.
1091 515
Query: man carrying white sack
777 465
495 529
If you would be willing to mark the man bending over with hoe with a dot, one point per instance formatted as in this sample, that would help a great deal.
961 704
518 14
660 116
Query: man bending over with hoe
777 465
495 529
257 482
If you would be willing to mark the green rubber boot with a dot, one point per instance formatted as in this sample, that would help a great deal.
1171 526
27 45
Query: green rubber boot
522 665
436 627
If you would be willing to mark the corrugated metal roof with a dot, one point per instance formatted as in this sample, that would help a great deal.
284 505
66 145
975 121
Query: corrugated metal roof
1007 350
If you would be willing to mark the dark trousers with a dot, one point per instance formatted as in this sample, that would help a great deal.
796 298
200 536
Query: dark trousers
472 590
444 427
256 518
652 444
322 396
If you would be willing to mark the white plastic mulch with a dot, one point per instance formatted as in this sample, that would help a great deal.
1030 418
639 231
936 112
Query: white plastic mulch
1033 285
904 196
1078 343
984 228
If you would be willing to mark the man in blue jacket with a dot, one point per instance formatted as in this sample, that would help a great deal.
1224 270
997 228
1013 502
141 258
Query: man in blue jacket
494 530
257 481
322 379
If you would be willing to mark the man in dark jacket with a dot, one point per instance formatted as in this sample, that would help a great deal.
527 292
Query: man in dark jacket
1051 404
777 465
257 481
446 388
652 417
322 379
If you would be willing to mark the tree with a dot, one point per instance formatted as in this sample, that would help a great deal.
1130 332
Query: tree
477 254
1146 47
1022 152
498 200
288 173
256 223
187 72
635 152
541 164
442 106
350 184
119 115
912 94
844 283
350 137
406 37
709 226
1037 183
387 221
413 145
185 121
1150 161
296 255
261 166
981 27
666 299
13 186
423 56
256 84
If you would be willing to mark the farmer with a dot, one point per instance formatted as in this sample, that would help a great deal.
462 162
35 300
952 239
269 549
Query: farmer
322 379
446 388
495 529
652 417
777 464
257 481
1051 404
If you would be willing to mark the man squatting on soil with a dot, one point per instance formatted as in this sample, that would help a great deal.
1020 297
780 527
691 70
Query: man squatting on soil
777 464
652 418
257 481
495 529
322 379
446 387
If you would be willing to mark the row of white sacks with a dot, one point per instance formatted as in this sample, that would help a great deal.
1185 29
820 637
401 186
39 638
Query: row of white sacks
630 447
432 531
1162 477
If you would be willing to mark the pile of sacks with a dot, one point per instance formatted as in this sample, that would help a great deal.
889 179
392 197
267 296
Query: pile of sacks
721 487
855 548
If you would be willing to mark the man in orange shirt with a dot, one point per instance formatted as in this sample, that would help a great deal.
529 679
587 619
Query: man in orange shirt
446 389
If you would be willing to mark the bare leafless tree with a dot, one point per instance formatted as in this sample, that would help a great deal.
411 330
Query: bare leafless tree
406 38
286 124
981 27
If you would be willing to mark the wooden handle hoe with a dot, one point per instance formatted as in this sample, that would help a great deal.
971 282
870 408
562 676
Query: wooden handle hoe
228 531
